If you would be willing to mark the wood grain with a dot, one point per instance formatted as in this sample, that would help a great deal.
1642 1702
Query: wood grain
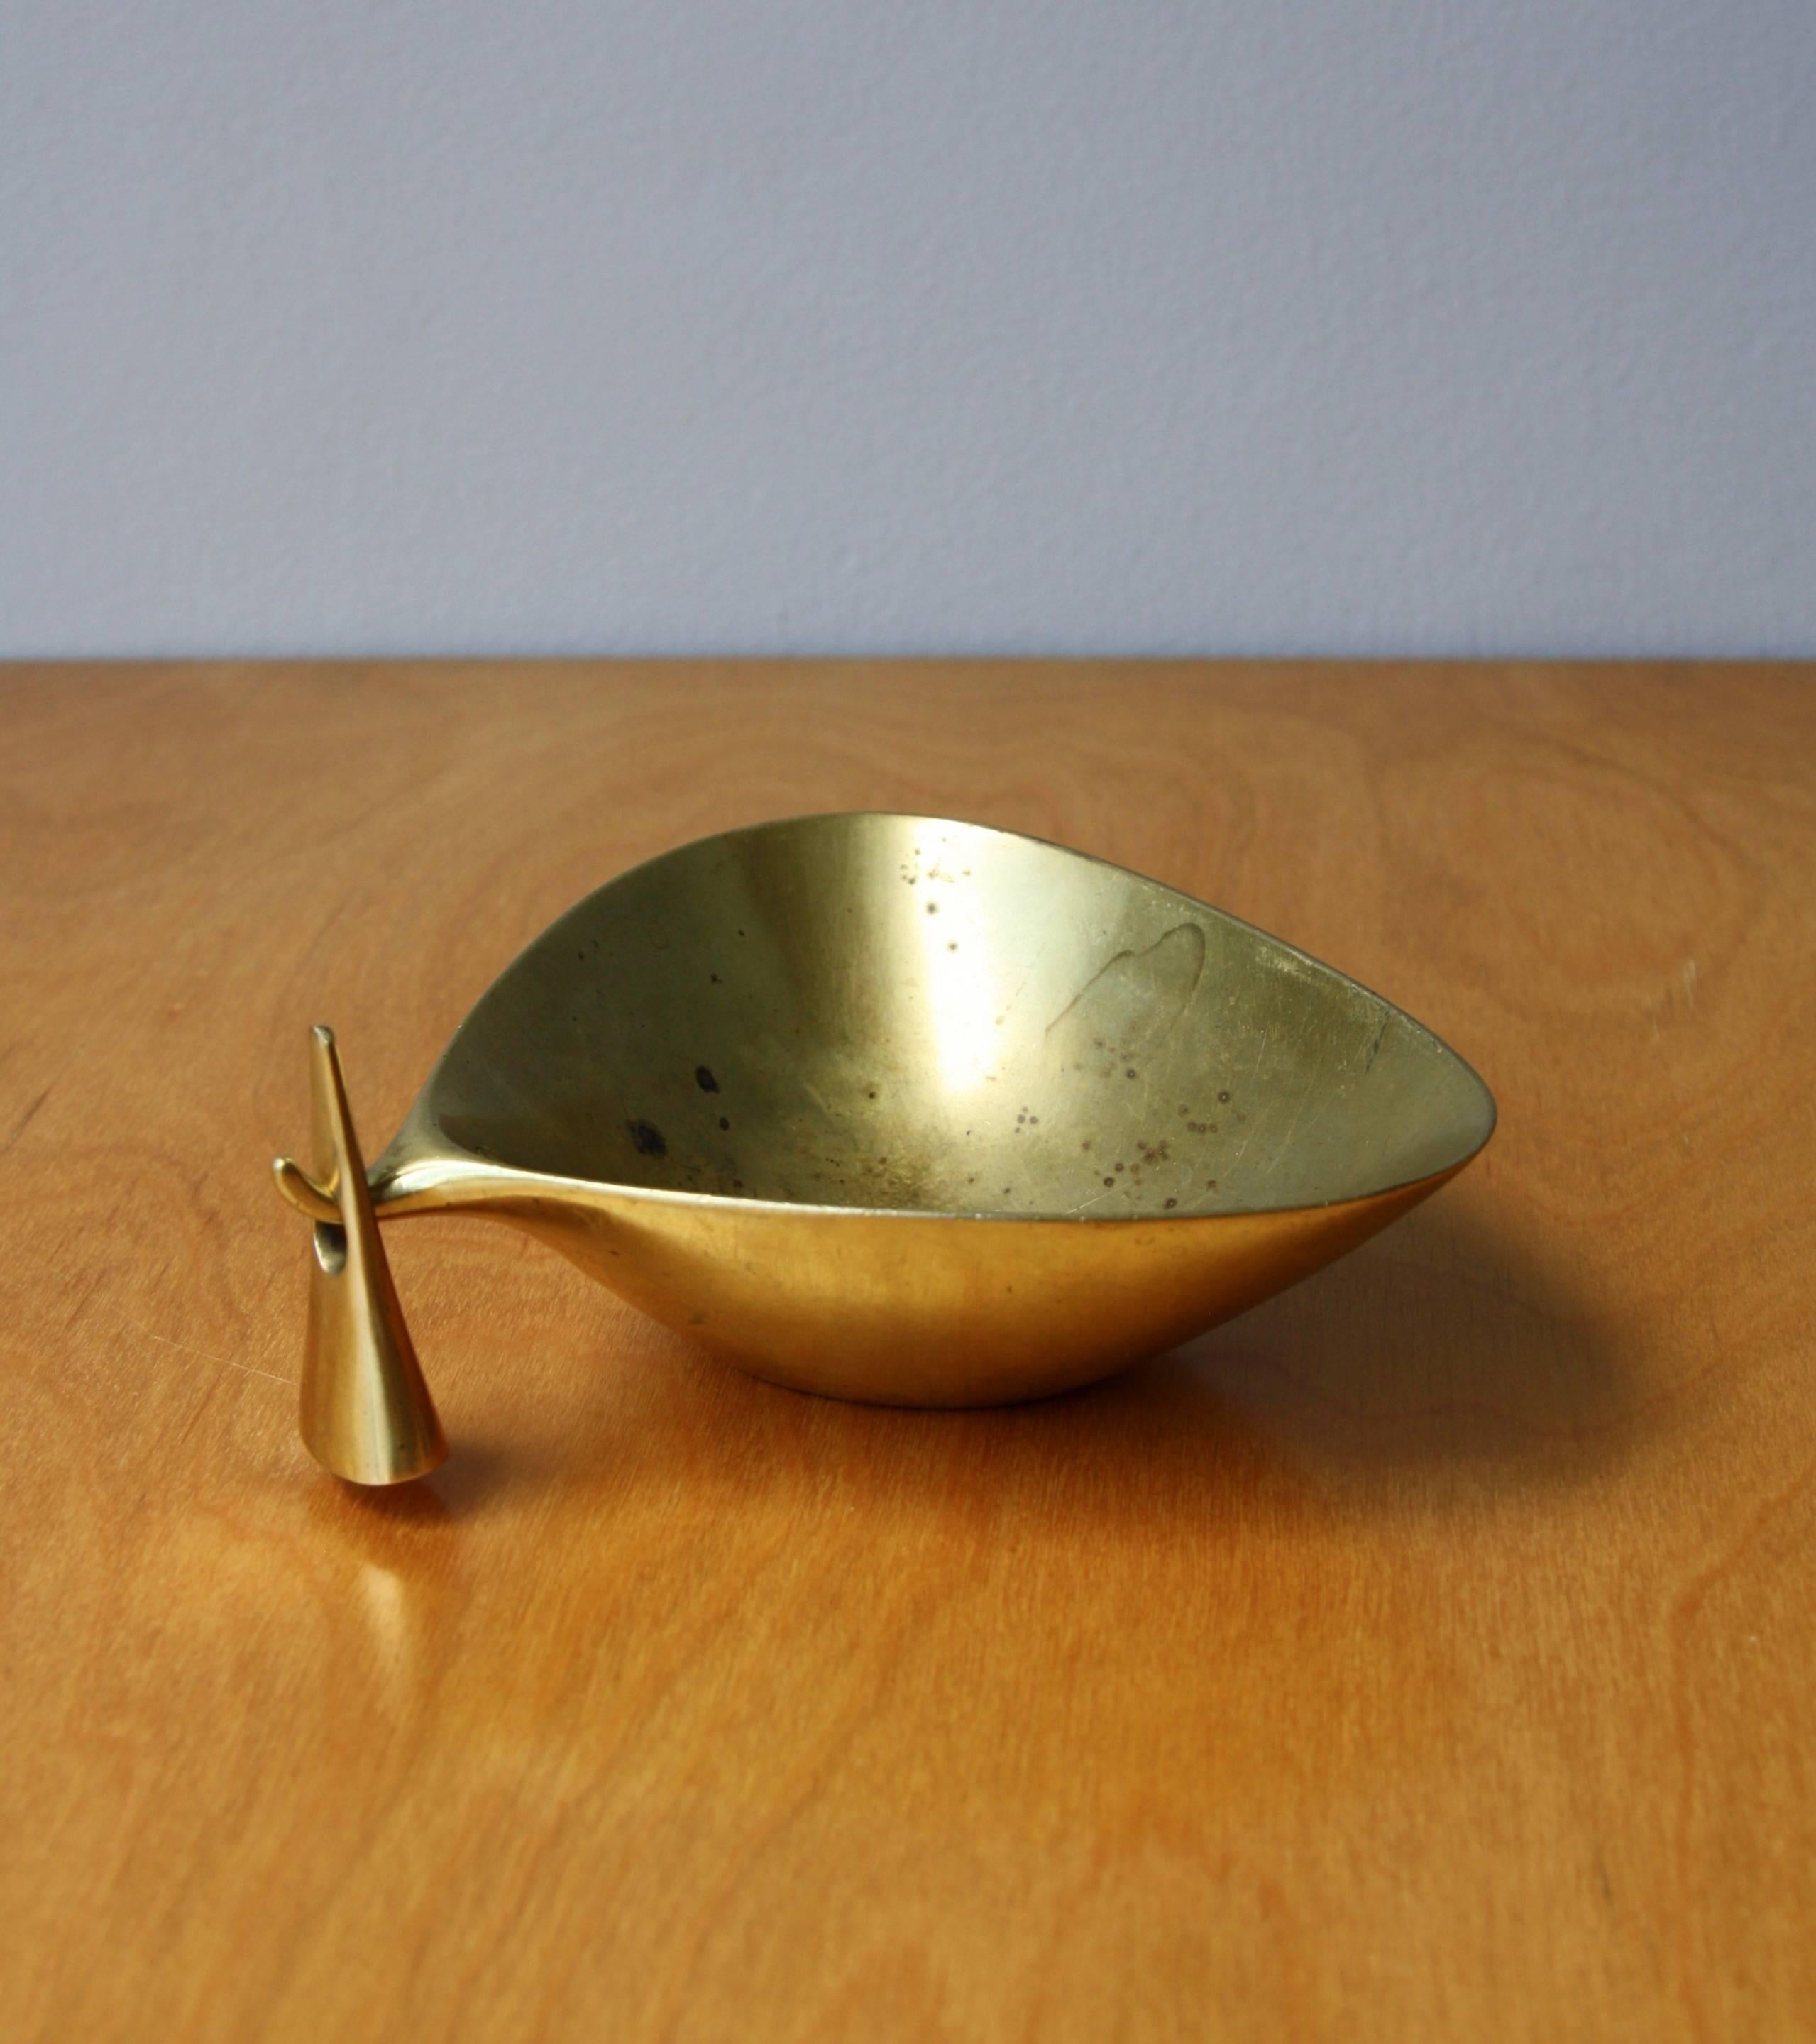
1429 1654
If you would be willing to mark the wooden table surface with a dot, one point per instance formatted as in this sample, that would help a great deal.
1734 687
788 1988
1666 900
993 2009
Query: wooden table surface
1431 1654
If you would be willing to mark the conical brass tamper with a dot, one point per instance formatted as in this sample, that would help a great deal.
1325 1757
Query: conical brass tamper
366 1413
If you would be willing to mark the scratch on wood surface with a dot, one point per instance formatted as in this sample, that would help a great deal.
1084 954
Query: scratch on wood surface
226 1362
1677 1000
57 1078
24 1120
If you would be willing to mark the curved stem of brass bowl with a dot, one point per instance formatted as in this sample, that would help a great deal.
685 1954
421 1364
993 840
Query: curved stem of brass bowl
366 1413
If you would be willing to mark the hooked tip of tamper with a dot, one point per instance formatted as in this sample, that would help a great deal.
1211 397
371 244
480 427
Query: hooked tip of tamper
299 1190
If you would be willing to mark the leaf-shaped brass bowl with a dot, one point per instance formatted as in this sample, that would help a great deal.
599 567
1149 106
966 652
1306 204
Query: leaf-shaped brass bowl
889 1107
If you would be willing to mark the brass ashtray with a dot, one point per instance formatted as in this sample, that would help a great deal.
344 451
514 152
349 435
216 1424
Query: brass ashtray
886 1107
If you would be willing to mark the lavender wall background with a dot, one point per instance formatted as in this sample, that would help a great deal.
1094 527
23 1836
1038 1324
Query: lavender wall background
1372 326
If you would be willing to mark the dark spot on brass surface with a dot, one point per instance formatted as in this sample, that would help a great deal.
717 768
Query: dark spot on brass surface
724 1123
1173 1203
933 908
649 1140
1224 1096
703 1079
1109 1181
1130 1074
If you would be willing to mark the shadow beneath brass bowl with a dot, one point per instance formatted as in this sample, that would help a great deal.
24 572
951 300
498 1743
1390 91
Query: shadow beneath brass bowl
1433 1369
1444 1351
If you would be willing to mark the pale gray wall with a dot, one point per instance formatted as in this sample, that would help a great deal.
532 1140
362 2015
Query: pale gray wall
1185 325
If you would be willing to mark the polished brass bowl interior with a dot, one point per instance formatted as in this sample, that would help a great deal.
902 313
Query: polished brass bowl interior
902 1109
